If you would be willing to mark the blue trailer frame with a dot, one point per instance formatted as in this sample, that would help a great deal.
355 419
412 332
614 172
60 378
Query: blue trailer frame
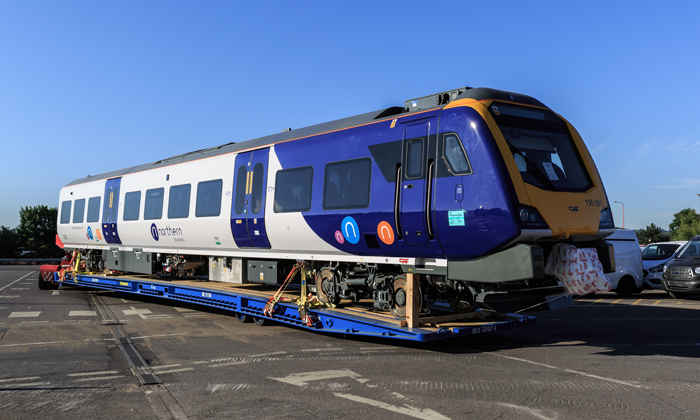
246 300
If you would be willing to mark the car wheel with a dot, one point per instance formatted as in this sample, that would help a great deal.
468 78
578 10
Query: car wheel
678 295
625 287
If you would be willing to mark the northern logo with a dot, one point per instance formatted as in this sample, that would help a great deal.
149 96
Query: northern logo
156 232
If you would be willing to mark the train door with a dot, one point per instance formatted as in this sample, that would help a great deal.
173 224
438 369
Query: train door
248 210
413 208
110 211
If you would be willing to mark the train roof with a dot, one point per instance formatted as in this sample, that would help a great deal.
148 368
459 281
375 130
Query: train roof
423 103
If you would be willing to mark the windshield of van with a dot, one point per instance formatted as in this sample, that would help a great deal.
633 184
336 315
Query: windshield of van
542 147
659 251
692 250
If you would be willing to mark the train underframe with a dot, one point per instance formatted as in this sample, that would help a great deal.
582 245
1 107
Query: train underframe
381 287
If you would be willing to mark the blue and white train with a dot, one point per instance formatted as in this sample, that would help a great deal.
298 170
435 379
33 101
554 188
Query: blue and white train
469 188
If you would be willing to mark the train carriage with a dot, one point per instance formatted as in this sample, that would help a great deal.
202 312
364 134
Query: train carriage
469 188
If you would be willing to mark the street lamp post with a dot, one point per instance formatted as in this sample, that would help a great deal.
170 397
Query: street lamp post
698 203
623 212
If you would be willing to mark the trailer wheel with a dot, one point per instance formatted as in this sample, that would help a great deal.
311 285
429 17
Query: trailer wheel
42 284
625 287
242 318
259 321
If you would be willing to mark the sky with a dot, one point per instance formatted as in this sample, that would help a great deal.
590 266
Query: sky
89 87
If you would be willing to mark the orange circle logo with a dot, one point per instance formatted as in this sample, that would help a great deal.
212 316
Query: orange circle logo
97 231
385 233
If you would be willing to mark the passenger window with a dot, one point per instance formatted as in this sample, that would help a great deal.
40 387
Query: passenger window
132 202
154 204
241 183
293 190
209 198
179 202
414 158
79 211
93 213
346 184
454 155
257 190
65 212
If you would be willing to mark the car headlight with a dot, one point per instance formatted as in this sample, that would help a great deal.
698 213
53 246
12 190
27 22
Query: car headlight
697 270
658 269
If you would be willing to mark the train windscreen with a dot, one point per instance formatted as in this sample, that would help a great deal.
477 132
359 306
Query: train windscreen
542 147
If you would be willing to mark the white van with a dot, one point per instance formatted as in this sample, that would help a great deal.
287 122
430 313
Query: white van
629 274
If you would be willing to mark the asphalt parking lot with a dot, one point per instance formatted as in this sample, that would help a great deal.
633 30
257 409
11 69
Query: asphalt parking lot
603 357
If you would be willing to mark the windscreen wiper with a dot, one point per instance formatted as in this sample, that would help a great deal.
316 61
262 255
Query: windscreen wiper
536 171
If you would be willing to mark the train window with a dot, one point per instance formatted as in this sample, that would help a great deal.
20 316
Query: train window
132 203
93 213
454 155
257 189
79 211
346 184
241 181
65 212
293 189
153 210
414 158
209 198
179 201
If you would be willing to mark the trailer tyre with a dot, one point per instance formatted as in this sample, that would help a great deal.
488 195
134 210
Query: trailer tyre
242 318
259 321
42 284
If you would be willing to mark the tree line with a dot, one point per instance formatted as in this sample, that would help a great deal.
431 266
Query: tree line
685 225
35 235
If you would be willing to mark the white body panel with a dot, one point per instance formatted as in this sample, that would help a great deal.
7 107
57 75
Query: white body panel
289 234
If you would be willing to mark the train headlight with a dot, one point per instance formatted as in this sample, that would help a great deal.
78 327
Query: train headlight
697 270
606 219
530 218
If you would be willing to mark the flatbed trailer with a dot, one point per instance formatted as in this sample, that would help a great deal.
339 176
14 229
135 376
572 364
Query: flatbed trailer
249 300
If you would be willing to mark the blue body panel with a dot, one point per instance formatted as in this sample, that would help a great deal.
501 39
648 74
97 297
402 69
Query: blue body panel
248 226
485 197
110 211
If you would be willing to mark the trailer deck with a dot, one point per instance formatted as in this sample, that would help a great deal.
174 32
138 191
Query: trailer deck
249 300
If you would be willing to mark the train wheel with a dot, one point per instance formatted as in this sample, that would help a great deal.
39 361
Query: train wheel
260 321
242 318
42 284
325 287
400 295
462 306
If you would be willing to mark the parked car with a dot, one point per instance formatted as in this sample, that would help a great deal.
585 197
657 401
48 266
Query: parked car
628 275
682 274
654 258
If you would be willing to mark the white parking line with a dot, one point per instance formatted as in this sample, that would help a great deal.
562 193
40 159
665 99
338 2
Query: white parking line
160 372
104 372
31 384
24 276
28 378
98 379
30 314
329 349
56 292
418 413
82 313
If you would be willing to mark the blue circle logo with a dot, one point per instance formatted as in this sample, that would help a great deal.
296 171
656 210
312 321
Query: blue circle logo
350 230
154 231
89 233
